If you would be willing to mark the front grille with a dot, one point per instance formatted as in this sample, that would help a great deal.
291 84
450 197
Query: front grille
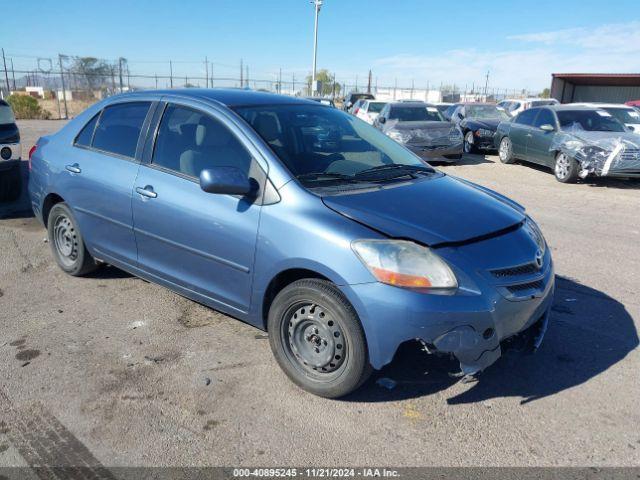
526 269
523 287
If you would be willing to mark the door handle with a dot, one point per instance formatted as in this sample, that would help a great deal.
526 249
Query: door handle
146 191
75 168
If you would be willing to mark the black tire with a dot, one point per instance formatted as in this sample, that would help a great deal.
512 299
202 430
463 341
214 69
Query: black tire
469 147
505 151
66 242
10 184
565 168
317 338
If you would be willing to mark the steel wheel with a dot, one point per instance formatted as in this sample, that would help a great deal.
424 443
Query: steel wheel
468 142
504 151
314 340
563 165
65 240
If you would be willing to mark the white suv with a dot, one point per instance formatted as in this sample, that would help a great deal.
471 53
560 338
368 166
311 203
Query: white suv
515 106
369 110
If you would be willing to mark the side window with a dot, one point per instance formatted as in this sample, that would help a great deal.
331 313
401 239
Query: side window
527 117
119 128
86 134
190 141
545 118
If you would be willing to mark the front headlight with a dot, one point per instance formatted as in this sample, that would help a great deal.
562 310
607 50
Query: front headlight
404 264
534 232
397 136
483 132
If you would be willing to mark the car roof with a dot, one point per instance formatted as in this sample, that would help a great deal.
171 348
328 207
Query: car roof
569 107
226 96
602 105
415 104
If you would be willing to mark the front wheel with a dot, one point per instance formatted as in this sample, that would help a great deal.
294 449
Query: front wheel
566 168
66 242
469 146
505 150
317 339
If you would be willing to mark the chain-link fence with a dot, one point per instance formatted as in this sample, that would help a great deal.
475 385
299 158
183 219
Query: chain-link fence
66 85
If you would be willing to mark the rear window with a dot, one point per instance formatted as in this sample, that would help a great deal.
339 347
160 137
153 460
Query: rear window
376 107
119 128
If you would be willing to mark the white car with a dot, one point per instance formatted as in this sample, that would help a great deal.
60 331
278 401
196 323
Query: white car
514 106
370 110
625 114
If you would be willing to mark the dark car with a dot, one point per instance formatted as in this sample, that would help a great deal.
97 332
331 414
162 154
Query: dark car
422 129
574 141
352 98
298 219
478 123
10 153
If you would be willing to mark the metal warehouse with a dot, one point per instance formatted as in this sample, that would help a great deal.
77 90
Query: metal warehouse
595 87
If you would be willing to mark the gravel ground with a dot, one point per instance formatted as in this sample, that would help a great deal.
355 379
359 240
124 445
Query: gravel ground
111 370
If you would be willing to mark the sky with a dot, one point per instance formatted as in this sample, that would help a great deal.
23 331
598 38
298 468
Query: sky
520 43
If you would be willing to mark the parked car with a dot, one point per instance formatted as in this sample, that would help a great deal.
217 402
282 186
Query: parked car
634 103
353 97
626 114
449 111
422 129
369 110
322 100
10 155
478 123
515 106
442 108
575 141
356 106
298 219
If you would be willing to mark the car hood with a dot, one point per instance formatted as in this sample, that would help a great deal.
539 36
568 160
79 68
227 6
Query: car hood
431 211
488 123
422 131
602 138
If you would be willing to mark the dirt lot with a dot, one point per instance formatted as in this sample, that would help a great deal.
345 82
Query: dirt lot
115 371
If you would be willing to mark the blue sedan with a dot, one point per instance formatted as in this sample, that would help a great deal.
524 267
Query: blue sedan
298 219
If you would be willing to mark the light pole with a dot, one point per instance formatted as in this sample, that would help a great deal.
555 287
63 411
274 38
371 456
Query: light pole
318 5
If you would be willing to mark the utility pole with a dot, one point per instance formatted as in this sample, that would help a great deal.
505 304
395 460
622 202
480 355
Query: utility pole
211 76
6 75
486 84
170 74
369 83
120 73
241 74
246 75
13 75
317 4
64 89
206 72
280 81
293 84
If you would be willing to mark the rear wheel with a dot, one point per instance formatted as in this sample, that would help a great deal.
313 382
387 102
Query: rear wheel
317 338
469 146
505 150
566 168
66 242
10 184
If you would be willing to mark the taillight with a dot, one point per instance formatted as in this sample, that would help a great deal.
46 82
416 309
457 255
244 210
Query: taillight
31 152
355 111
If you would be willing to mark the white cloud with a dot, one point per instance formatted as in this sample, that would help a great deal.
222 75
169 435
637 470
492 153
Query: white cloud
609 48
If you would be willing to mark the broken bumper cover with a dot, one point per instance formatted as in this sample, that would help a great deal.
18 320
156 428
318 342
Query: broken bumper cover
471 327
441 153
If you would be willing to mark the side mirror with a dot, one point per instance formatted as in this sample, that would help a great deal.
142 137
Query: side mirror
226 180
547 128
381 120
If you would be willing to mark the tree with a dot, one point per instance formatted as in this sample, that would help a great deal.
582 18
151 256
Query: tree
93 72
26 107
327 79
546 93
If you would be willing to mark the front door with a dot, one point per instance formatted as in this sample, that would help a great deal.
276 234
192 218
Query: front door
204 243
540 143
521 132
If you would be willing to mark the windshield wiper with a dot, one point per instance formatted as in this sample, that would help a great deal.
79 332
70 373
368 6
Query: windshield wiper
326 177
402 169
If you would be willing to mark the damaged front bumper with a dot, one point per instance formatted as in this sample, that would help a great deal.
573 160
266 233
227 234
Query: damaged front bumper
437 153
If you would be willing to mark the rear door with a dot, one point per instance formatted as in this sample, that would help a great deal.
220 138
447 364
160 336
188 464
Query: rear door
521 132
201 242
99 175
539 145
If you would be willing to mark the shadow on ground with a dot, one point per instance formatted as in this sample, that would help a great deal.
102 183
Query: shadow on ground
467 159
591 181
588 333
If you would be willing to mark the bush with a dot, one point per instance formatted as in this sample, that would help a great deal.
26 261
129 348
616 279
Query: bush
26 107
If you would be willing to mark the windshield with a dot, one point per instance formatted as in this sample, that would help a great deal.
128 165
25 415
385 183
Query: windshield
375 107
6 115
361 96
624 115
322 146
589 120
416 114
486 111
